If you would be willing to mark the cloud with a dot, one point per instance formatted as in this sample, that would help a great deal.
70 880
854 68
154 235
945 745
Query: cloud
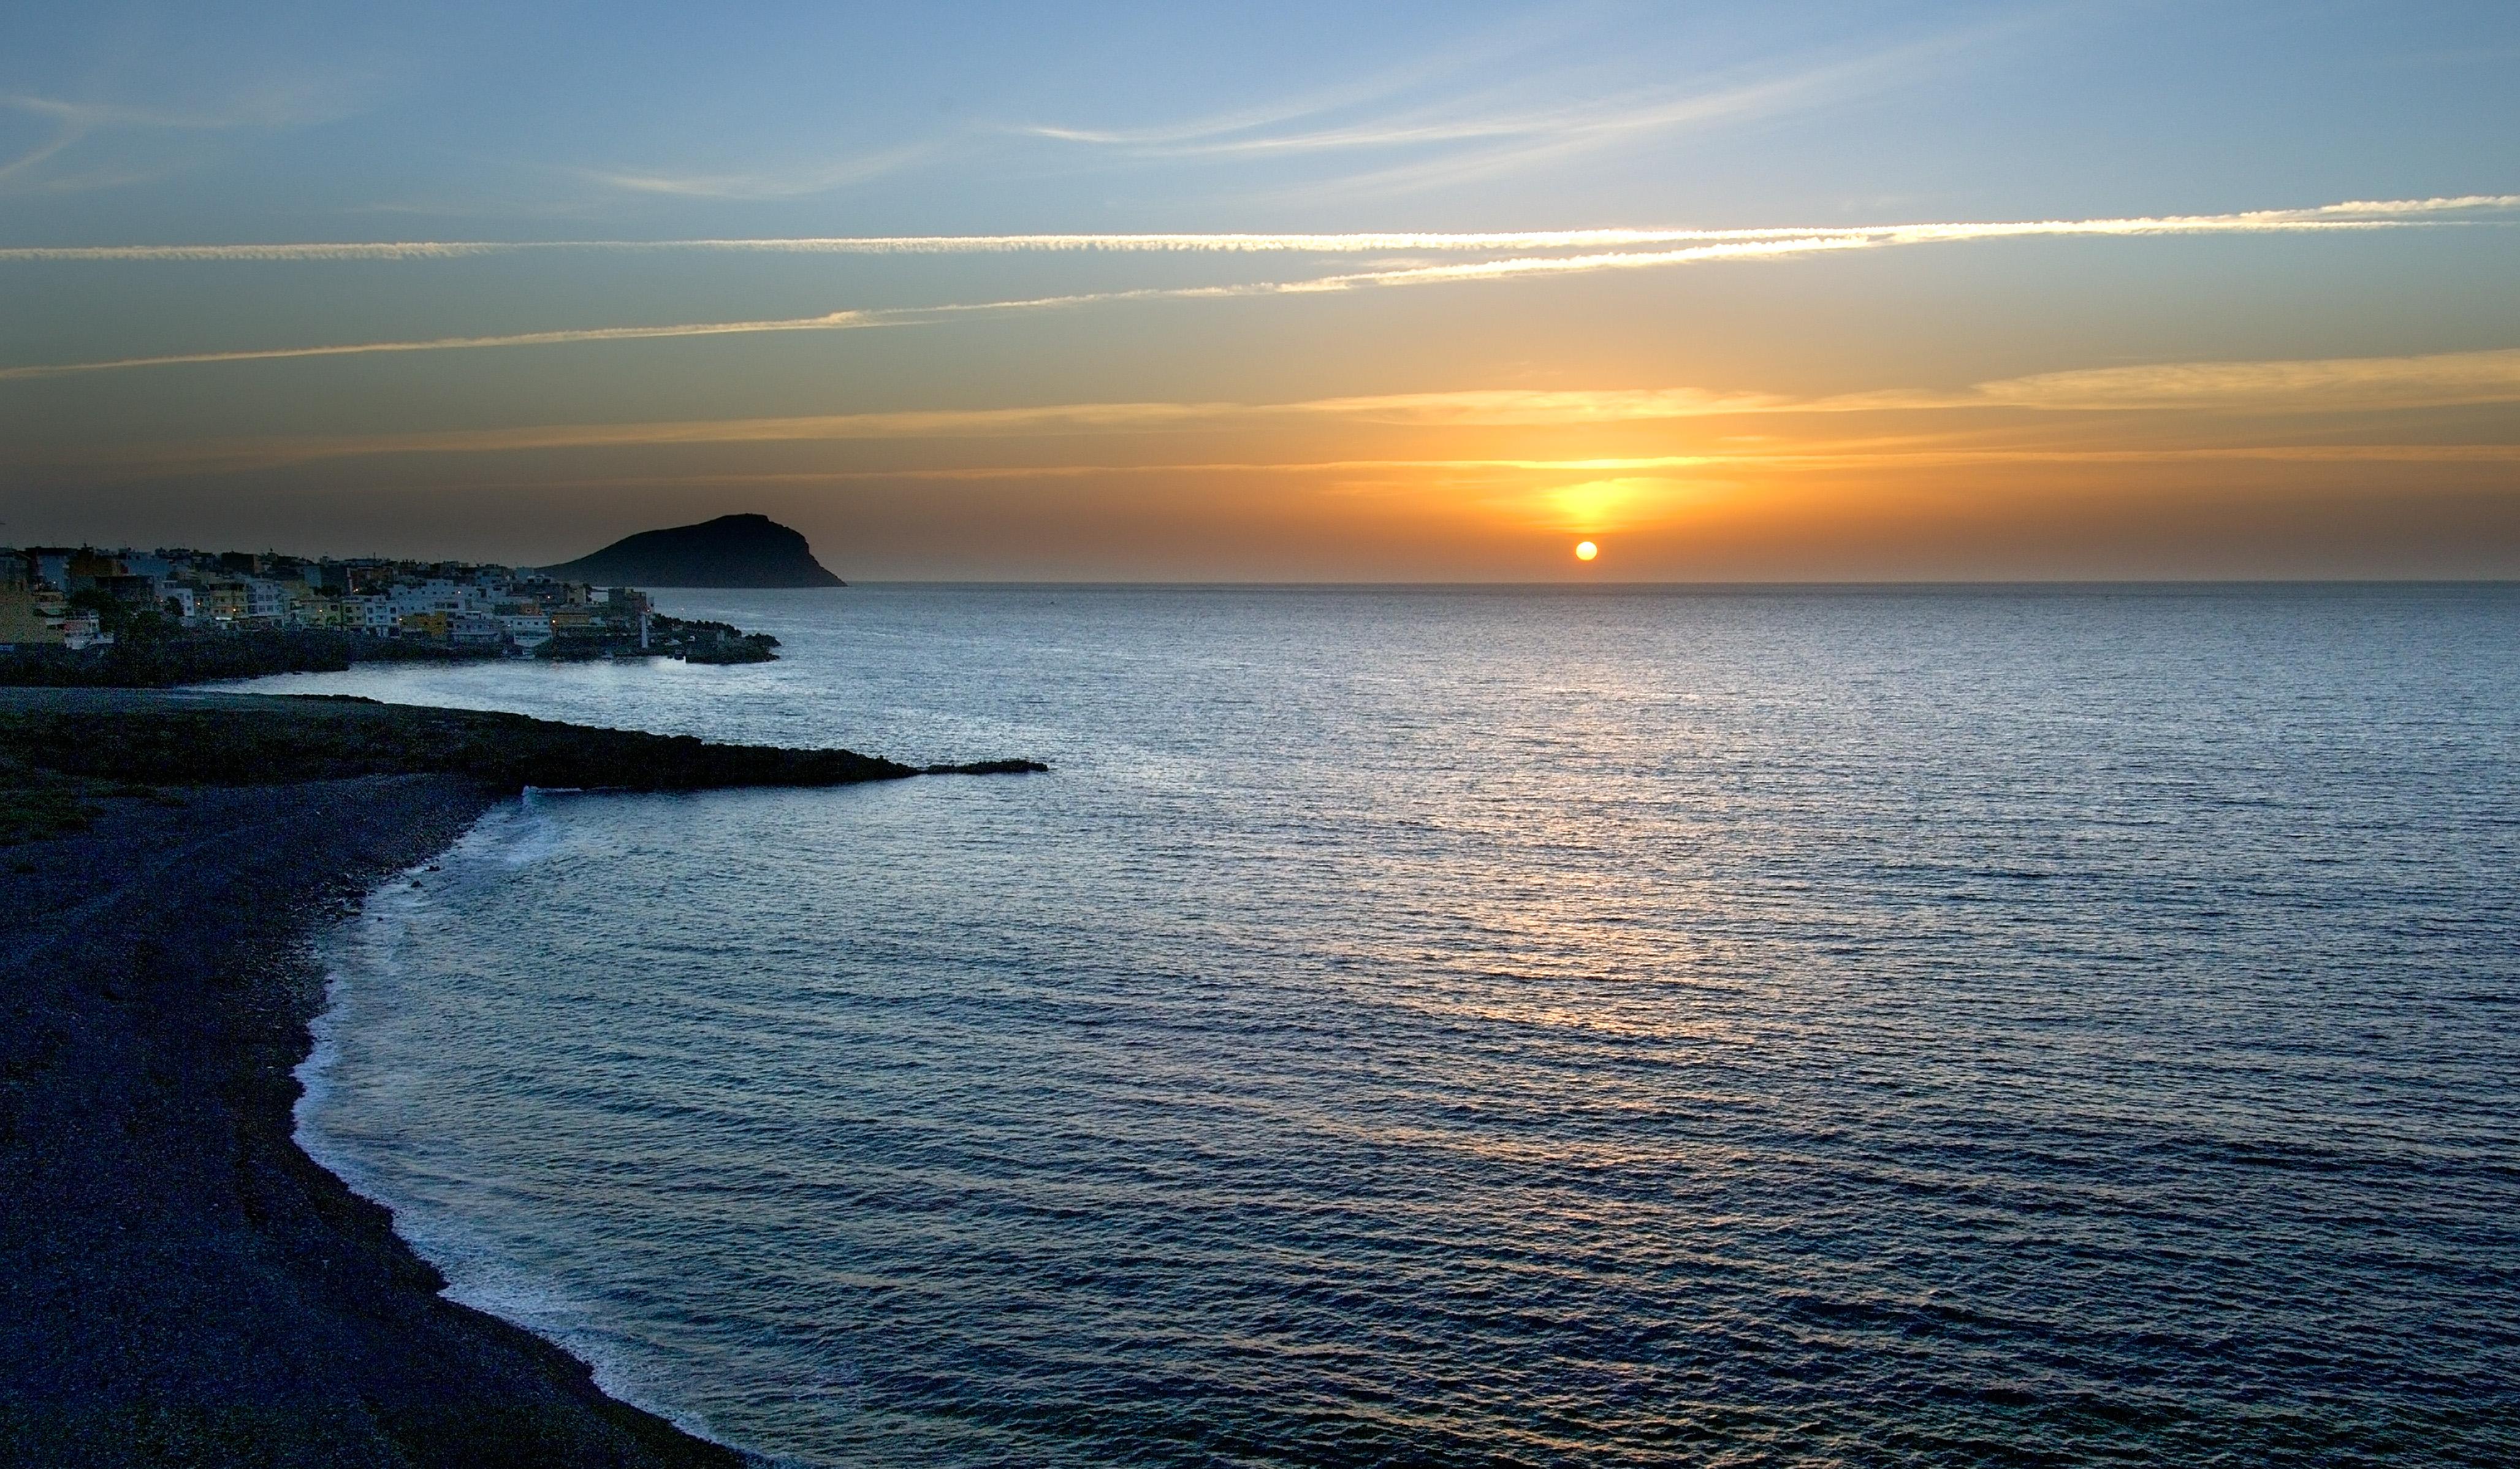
1416 474
1481 136
36 156
2312 386
913 424
1510 41
265 108
1733 245
2440 380
2399 213
1536 407
820 178
1494 45
833 321
2317 385
2300 386
380 249
76 121
1713 246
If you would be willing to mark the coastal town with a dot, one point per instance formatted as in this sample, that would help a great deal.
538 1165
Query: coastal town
82 598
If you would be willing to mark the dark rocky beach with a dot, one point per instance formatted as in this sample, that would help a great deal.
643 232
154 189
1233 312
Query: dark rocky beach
183 1285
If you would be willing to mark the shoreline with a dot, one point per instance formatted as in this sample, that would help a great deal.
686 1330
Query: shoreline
342 1159
194 1286
188 1283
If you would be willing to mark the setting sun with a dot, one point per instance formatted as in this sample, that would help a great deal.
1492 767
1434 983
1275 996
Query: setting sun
1585 550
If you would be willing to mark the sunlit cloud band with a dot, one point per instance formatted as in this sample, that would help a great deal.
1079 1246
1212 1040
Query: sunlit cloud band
2302 387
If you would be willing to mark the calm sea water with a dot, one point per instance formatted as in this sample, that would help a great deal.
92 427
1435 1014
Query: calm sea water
1498 1028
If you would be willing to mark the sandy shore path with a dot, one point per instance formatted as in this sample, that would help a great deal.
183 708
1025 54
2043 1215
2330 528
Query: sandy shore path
178 1283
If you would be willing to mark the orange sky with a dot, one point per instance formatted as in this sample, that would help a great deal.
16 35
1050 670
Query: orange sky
2266 467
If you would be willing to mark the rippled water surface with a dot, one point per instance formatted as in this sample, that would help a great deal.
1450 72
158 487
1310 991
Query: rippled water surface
1498 1028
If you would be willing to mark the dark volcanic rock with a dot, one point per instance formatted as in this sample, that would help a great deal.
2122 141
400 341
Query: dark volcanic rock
59 749
160 663
733 550
246 739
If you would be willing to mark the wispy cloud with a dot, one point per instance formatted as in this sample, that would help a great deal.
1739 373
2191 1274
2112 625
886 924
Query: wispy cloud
914 424
2315 387
1508 41
795 183
1522 471
2442 380
2300 386
75 121
264 108
806 179
36 156
1465 137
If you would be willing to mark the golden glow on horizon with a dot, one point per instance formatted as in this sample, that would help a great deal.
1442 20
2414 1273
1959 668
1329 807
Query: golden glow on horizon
1585 550
1627 502
1913 420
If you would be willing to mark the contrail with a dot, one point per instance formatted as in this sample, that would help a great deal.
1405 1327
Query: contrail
2364 212
1685 247
836 321
858 320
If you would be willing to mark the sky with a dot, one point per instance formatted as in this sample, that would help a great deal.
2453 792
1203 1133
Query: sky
1283 292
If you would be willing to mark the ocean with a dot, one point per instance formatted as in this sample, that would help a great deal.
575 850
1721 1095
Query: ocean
1496 1027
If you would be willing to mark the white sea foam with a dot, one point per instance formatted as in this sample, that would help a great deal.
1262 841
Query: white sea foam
366 960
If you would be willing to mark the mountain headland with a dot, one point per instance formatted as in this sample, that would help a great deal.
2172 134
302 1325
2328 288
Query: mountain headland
750 551
187 1286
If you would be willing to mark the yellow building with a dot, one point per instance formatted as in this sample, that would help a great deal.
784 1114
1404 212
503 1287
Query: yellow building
227 601
418 624
28 617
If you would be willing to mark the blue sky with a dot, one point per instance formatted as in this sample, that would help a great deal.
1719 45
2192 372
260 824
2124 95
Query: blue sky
127 125
228 122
